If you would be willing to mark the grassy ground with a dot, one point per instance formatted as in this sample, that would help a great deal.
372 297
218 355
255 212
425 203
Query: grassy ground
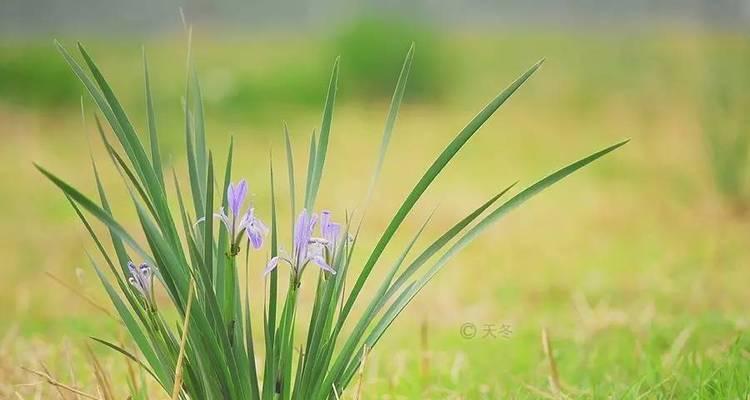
635 268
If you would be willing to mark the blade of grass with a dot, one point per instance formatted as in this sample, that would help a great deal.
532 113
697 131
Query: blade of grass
224 265
310 172
151 119
200 128
390 121
208 233
183 343
290 169
325 130
429 176
96 211
270 369
126 353
117 244
249 342
411 291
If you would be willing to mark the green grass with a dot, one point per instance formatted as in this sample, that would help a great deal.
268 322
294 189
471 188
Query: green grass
640 237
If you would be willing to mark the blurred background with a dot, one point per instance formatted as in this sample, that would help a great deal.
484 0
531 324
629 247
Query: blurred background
637 266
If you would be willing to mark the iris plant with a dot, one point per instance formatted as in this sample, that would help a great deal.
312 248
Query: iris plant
248 224
232 347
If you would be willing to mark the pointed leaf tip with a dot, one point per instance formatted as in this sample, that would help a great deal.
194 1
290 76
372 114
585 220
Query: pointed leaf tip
537 65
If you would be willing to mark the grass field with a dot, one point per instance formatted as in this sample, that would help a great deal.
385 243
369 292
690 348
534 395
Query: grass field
635 266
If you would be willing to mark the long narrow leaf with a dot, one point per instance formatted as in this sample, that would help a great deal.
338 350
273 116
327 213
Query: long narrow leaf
151 118
427 179
325 130
390 121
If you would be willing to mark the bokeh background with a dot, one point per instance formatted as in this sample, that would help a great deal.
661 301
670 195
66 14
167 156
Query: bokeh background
637 267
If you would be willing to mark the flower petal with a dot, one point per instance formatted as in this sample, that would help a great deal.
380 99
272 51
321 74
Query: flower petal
223 217
332 235
133 270
274 262
325 221
321 262
255 236
145 275
236 196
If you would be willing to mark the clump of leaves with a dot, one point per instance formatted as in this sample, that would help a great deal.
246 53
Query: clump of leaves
210 353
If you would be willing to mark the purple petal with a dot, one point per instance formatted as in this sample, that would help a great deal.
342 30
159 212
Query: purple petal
254 228
312 222
332 235
261 226
301 235
133 270
325 221
236 196
145 270
321 262
255 236
145 275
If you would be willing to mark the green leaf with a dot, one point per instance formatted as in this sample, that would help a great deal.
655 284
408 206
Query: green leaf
123 168
126 354
128 133
96 211
408 294
310 173
270 370
429 176
151 117
249 342
208 233
290 170
120 252
200 129
325 130
390 121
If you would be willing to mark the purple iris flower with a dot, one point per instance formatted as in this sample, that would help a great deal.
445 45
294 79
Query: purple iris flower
236 196
248 223
318 250
330 231
254 228
142 279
